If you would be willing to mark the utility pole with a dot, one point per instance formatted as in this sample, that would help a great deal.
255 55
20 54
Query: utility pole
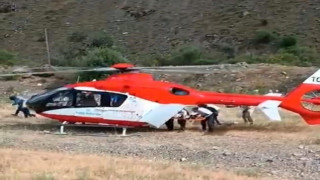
47 43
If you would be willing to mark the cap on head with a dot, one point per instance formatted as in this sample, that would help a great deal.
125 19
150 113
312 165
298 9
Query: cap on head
12 97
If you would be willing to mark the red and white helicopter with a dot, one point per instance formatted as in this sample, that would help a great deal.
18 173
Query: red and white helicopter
133 98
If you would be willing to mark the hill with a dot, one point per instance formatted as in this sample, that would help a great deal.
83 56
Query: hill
143 29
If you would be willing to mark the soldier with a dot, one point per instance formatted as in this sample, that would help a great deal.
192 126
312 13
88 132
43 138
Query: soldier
246 116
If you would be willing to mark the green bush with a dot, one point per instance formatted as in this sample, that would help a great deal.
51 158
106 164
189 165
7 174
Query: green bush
155 59
78 45
307 56
7 58
264 37
99 39
102 57
283 58
69 53
206 61
184 56
288 41
99 57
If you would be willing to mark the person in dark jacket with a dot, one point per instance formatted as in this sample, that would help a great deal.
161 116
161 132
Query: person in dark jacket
19 101
214 111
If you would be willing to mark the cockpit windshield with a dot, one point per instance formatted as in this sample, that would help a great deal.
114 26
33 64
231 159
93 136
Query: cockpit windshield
60 99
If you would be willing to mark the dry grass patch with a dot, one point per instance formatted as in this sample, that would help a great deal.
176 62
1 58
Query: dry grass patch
36 165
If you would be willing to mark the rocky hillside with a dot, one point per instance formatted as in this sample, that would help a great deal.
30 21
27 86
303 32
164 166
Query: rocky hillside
237 78
143 27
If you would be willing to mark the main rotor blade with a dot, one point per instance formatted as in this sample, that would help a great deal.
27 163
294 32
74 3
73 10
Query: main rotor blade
58 71
184 67
177 71
198 69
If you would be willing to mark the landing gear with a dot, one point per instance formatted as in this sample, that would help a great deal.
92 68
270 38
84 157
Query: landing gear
62 127
72 124
124 131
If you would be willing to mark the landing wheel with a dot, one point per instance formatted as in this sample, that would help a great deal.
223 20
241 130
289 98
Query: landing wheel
170 124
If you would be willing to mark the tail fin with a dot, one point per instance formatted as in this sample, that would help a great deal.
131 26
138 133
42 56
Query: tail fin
308 107
271 107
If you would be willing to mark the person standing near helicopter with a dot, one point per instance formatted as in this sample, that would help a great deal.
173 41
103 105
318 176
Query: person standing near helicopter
246 115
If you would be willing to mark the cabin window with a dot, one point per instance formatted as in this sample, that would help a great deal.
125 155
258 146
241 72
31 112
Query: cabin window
179 91
61 99
99 99
116 99
88 99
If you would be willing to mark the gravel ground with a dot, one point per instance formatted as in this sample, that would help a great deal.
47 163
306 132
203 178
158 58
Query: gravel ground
290 155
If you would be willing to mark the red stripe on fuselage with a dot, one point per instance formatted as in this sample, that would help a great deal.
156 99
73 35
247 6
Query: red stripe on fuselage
62 118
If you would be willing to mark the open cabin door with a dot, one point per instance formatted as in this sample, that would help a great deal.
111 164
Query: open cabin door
161 114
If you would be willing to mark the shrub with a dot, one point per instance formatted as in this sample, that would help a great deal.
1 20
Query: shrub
99 57
206 61
264 22
69 53
264 37
184 56
99 39
7 58
307 56
229 51
102 57
283 58
156 59
288 41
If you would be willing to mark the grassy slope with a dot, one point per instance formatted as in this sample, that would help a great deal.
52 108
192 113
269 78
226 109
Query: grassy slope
21 164
173 23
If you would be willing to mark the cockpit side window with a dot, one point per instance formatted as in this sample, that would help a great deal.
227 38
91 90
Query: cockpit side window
179 91
61 99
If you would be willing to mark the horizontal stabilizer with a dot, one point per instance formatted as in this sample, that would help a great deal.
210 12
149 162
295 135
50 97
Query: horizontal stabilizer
270 109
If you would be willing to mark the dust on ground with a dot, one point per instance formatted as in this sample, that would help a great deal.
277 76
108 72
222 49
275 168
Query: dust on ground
290 149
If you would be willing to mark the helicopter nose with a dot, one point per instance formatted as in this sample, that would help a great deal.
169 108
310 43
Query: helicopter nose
36 103
31 102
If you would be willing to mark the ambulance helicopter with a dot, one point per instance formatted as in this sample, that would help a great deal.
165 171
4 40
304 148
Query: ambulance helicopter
133 98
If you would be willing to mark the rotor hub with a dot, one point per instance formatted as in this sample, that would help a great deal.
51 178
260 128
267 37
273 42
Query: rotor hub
122 66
